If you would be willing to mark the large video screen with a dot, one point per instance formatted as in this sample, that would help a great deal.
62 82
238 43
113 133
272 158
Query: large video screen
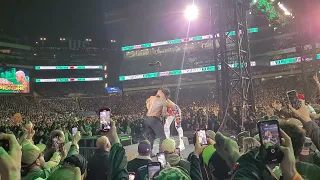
113 90
14 80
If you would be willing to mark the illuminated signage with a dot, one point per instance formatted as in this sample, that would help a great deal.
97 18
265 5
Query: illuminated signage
178 41
66 67
69 79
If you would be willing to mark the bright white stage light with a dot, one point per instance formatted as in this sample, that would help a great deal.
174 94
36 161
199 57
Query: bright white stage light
191 12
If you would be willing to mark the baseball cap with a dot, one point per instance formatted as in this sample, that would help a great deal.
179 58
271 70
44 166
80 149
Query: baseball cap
168 145
31 152
300 96
77 160
144 147
210 134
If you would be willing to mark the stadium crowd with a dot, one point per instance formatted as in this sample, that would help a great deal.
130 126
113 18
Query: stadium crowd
42 146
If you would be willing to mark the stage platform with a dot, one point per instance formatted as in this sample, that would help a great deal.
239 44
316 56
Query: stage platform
132 150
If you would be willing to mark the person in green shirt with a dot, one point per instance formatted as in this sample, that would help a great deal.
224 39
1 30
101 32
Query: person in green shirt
33 165
33 162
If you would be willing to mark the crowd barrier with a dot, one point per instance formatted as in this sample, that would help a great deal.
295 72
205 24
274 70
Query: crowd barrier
88 144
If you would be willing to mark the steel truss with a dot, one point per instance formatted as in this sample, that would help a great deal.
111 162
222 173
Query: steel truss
234 84
306 48
305 41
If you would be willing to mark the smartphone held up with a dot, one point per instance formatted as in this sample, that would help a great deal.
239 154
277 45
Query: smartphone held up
74 130
270 139
293 99
105 121
162 159
153 168
201 134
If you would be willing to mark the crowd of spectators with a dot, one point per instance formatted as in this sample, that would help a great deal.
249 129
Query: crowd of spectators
198 104
43 126
222 158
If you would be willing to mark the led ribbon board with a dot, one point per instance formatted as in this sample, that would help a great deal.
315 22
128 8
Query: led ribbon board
176 72
206 69
290 60
178 41
58 80
65 67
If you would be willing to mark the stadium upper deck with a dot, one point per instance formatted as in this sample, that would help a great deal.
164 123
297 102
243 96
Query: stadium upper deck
268 48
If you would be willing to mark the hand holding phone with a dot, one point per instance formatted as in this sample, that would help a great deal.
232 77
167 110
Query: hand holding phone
11 159
293 99
270 139
178 151
202 137
105 121
153 168
74 130
162 159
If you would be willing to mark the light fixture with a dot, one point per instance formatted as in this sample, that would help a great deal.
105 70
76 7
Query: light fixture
191 12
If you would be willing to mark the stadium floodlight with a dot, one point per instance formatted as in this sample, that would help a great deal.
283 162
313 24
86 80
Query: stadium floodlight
286 11
191 12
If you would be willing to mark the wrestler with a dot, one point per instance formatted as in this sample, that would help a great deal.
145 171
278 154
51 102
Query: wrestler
174 113
21 77
156 110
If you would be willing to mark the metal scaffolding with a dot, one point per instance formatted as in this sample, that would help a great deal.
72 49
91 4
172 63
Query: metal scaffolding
234 82
305 41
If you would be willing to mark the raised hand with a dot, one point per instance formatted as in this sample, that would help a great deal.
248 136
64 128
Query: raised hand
287 166
10 162
199 148
303 112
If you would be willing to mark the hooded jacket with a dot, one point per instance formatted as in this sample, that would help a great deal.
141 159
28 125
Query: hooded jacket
175 160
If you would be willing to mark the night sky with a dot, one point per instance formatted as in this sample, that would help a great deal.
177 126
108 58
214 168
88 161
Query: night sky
127 21
139 20
54 18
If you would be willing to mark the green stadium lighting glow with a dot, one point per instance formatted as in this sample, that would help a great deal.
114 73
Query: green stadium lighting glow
60 80
179 41
66 67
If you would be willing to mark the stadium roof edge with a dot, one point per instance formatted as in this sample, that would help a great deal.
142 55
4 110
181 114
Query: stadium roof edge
19 66
15 46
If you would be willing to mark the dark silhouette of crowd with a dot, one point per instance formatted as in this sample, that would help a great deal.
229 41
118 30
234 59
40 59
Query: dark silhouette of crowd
41 145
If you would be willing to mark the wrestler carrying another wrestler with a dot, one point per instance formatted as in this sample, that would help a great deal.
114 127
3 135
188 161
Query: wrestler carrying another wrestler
156 110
